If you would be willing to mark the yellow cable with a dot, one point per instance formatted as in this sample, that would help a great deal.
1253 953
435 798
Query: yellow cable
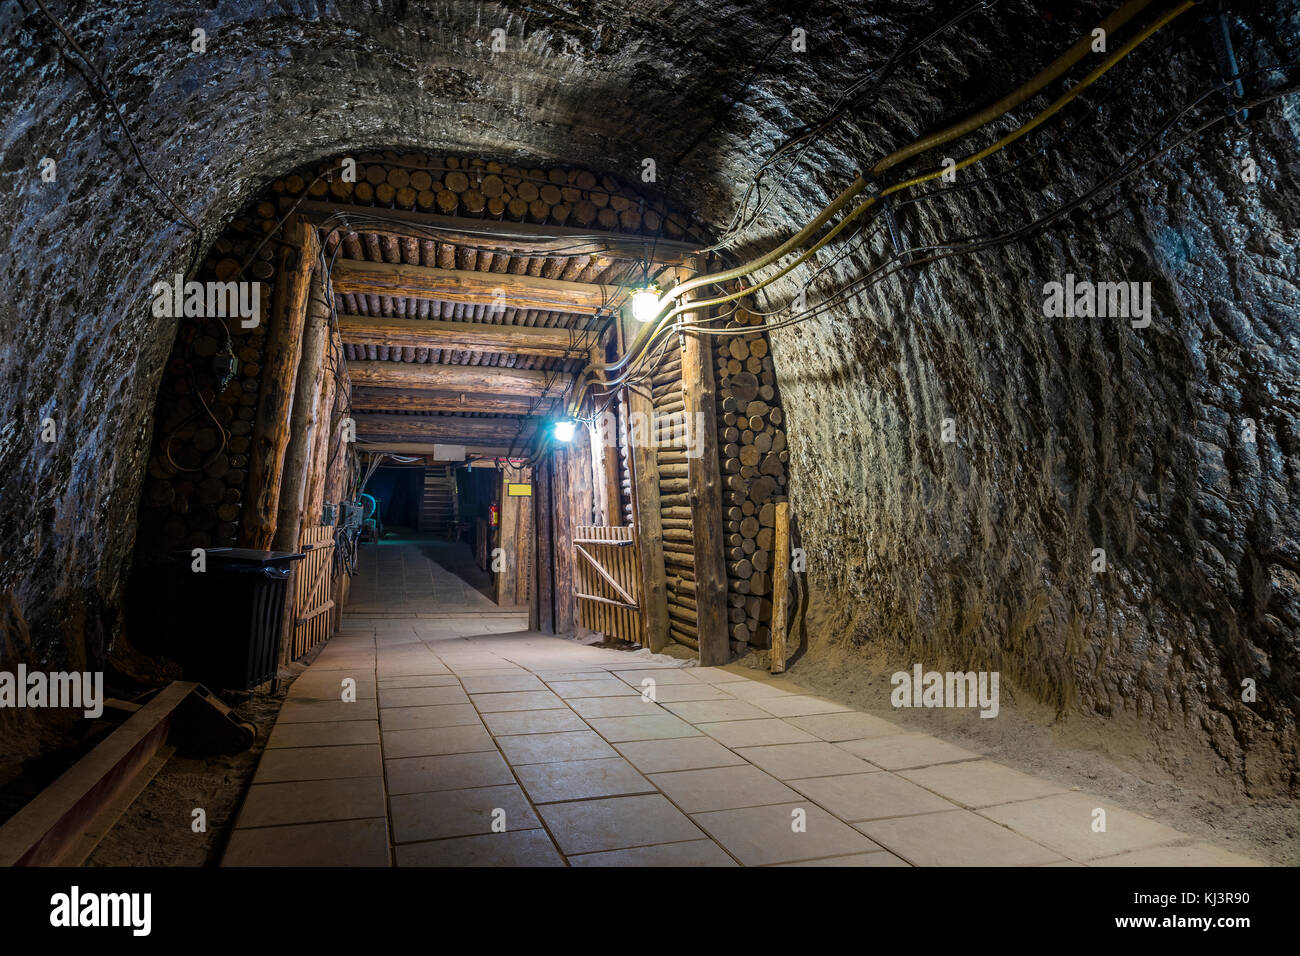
1013 99
1029 125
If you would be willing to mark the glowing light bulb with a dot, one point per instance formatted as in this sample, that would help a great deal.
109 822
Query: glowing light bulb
645 303
564 430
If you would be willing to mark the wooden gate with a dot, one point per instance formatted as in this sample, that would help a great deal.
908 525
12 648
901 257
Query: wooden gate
608 584
312 593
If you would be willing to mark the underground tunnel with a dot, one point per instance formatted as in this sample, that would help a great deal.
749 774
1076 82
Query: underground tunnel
450 434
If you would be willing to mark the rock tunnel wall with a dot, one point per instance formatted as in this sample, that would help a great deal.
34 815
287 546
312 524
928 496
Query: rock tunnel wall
1069 434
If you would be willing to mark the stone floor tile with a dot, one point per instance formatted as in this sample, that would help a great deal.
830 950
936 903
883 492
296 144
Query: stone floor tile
906 751
507 722
722 788
955 838
427 741
447 772
847 726
337 843
980 783
318 763
547 748
453 813
594 687
816 759
581 779
516 700
512 848
421 696
312 801
870 796
760 835
329 733
615 823
681 753
687 853
799 705
756 733
441 715
647 727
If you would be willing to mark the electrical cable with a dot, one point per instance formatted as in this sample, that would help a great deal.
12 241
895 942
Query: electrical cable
748 268
898 261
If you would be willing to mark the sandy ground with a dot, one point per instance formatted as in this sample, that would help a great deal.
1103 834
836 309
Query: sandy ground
1115 758
157 829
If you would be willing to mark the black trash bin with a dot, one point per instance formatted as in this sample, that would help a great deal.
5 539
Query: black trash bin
227 626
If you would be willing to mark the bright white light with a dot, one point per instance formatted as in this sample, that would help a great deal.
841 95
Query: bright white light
564 430
645 304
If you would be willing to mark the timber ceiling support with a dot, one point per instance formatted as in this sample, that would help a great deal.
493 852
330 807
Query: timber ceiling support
502 290
417 400
499 236
467 336
470 379
448 430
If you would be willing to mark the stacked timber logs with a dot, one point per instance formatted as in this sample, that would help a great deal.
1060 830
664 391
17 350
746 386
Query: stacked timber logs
674 500
626 494
752 442
194 489
485 189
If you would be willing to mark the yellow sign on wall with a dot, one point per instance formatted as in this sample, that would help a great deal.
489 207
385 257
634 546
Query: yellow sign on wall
519 490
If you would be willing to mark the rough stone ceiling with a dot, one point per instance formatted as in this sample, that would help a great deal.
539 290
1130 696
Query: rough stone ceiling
1072 433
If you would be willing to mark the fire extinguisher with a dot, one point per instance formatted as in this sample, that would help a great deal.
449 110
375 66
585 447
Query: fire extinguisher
493 516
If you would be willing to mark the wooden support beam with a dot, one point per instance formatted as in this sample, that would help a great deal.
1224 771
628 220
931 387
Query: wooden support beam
472 449
445 429
511 237
704 480
515 538
317 476
780 586
303 420
499 289
542 613
466 336
279 378
414 400
649 532
340 458
488 379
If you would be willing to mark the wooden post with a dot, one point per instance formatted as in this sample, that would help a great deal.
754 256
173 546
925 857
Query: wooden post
608 499
513 537
279 377
315 493
649 530
780 585
303 419
543 618
704 480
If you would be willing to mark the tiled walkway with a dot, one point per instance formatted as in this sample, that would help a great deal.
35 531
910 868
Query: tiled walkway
420 574
474 742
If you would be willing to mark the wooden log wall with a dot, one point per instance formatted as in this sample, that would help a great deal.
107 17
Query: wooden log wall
674 499
752 446
198 464
480 188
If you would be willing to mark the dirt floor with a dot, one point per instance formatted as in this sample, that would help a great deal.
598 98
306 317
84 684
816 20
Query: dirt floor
157 829
1116 758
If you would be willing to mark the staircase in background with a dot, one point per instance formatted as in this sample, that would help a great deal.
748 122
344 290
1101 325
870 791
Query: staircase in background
437 510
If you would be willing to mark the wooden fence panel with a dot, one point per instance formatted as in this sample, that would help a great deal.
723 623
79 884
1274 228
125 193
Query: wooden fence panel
608 585
313 594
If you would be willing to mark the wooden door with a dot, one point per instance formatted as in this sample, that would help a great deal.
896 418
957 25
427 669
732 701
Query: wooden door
607 581
313 590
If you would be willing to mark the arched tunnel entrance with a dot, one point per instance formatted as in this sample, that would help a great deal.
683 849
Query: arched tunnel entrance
588 446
